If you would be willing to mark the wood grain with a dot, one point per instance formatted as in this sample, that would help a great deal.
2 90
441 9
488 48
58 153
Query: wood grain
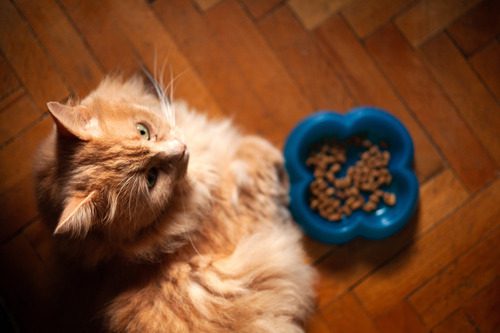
11 217
456 322
484 307
345 314
477 27
16 117
281 97
486 64
474 102
430 105
309 67
369 87
8 80
427 17
459 281
149 38
63 43
215 66
348 264
312 13
430 253
107 42
366 16
17 156
28 59
401 318
259 8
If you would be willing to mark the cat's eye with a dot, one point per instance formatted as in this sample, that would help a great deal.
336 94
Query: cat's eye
151 177
143 131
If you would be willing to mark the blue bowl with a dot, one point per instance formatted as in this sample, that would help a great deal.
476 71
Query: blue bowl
375 125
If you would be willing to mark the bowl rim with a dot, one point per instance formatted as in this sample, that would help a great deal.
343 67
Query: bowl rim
336 233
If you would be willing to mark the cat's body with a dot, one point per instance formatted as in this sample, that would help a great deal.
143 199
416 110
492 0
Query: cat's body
224 254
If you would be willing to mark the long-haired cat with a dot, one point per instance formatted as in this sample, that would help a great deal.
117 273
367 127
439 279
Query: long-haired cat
131 178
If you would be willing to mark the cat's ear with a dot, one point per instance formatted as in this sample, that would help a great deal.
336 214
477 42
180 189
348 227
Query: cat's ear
77 215
74 121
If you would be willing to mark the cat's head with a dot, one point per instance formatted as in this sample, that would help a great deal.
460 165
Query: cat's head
119 167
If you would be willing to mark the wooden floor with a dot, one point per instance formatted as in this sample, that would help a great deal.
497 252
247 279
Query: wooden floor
433 64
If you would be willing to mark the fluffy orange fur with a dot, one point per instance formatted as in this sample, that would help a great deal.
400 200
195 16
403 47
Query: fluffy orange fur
197 204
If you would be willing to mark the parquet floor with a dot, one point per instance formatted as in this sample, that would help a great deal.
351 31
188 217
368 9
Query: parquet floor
268 63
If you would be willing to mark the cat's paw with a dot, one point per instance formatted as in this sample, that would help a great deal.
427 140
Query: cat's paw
258 171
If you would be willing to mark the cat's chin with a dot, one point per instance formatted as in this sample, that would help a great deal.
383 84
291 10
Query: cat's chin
169 232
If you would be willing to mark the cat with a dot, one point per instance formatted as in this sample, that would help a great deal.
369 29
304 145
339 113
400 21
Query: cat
129 176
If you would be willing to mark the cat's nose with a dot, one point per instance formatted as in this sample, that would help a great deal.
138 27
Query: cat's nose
173 148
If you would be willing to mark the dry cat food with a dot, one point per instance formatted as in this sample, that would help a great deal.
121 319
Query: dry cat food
333 196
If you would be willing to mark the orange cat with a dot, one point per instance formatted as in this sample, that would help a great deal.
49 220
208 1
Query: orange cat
142 181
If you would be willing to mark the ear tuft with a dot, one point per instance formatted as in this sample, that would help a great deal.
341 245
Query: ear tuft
76 218
73 121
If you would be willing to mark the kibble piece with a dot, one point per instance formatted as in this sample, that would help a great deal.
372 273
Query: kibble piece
357 203
335 167
330 177
334 217
389 198
314 203
369 206
346 210
374 198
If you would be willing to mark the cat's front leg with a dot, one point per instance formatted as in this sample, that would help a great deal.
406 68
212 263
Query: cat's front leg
258 170
150 309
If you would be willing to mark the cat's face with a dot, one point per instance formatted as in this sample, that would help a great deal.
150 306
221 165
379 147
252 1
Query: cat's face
121 166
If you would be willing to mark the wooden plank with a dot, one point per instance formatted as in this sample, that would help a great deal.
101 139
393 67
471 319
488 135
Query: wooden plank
348 264
107 42
148 37
366 16
477 27
11 98
484 307
16 117
346 315
401 318
63 43
317 324
215 66
8 80
17 156
396 279
305 61
486 64
261 70
18 207
425 97
427 17
313 13
206 4
314 249
27 58
259 8
456 322
459 281
471 98
369 87
42 241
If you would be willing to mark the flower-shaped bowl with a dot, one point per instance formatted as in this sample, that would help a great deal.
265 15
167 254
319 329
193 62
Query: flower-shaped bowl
375 125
